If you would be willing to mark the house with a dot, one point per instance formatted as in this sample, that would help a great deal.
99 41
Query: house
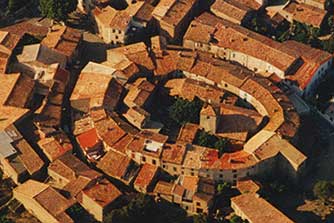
140 94
192 194
238 123
188 133
18 90
63 40
209 118
164 190
247 186
113 25
146 147
137 53
91 144
35 57
253 208
109 131
71 175
138 117
146 178
44 202
304 13
53 149
235 43
96 88
8 42
233 11
321 4
18 159
174 16
143 18
101 198
119 166
172 158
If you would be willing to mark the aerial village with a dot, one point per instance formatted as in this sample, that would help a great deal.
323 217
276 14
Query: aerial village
96 133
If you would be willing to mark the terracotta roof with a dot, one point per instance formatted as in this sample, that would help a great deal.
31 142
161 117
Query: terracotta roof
173 153
109 131
62 39
32 162
136 53
8 42
70 167
236 122
145 176
51 200
21 92
230 9
306 13
208 110
53 149
103 193
188 133
190 183
177 11
164 188
257 209
121 145
27 27
247 186
114 164
145 12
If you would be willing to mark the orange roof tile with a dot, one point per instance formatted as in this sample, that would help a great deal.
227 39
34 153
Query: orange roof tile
145 176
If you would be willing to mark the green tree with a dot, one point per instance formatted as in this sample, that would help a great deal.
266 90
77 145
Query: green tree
324 190
57 9
237 219
183 111
222 145
200 218
14 5
223 187
206 139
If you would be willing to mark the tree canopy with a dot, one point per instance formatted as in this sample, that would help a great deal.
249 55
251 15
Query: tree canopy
57 9
205 139
324 190
183 111
14 5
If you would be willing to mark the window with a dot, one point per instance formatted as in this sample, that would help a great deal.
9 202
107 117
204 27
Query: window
226 85
234 171
154 162
116 37
198 203
208 175
163 166
192 174
113 30
175 169
220 175
199 210
235 175
143 159
182 172
119 31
